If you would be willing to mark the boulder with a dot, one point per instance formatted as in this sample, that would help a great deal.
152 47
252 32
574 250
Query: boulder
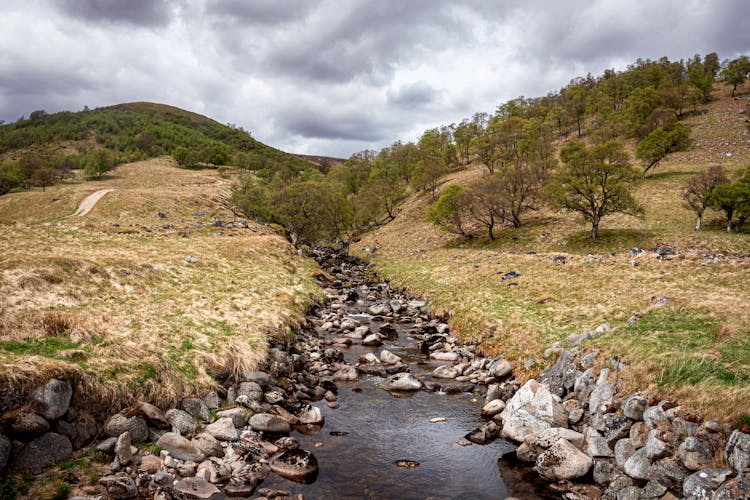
561 376
655 447
696 454
562 461
654 415
197 408
179 447
150 464
208 445
297 465
638 466
24 424
5 448
401 382
535 445
119 486
260 378
737 451
239 416
223 430
123 452
596 444
444 356
52 400
500 368
41 453
702 483
603 393
445 371
493 407
389 358
634 406
252 390
531 410
154 416
135 425
311 415
181 421
194 488
346 373
266 422
624 449
373 339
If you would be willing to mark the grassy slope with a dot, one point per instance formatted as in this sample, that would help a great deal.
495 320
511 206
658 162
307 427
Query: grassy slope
118 307
696 347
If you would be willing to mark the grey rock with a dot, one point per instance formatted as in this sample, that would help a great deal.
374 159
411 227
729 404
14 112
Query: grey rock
5 448
603 393
445 371
273 397
670 472
654 415
445 356
700 485
634 406
209 445
211 398
696 453
389 358
154 416
653 489
41 453
401 382
123 453
238 415
25 424
583 385
500 368
548 437
683 428
737 451
596 445
223 430
638 466
252 390
563 461
80 432
346 373
493 408
135 425
732 489
179 447
531 410
373 339
119 486
311 415
655 447
296 465
624 449
561 376
260 378
181 421
266 422
197 408
629 493
194 488
107 446
639 434
52 400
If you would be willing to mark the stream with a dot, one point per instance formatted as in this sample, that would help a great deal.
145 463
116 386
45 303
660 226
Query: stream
373 430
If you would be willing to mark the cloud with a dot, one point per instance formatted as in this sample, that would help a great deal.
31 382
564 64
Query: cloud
332 76
134 12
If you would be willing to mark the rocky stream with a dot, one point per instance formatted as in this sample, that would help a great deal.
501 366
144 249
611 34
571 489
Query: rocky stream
376 399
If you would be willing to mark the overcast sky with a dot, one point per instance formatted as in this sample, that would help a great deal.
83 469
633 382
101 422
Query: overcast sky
336 77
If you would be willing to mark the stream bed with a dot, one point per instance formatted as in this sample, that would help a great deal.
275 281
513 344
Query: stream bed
381 445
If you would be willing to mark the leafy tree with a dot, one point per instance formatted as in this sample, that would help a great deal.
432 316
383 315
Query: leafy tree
354 172
8 183
451 209
701 76
43 177
733 199
251 197
697 192
463 134
574 101
380 195
98 162
28 165
594 182
487 206
735 72
661 142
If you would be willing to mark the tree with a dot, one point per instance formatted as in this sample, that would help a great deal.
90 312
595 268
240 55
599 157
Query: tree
251 197
733 199
97 162
661 142
697 192
487 206
735 72
701 76
451 209
594 182
43 177
380 195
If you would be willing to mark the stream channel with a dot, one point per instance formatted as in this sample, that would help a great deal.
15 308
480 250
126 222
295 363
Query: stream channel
361 441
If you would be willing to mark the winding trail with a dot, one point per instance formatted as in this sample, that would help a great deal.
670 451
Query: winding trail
90 202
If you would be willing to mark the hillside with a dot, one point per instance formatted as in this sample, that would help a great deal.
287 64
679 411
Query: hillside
689 336
128 132
155 292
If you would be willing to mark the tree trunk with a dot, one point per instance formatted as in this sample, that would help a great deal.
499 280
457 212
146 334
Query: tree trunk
698 222
489 230
594 229
729 225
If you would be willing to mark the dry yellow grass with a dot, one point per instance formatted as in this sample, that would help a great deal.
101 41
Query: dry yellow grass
109 300
701 353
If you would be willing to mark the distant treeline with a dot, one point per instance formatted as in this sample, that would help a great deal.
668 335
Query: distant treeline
564 149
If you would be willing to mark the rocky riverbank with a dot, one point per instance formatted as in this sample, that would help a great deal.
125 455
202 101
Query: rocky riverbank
581 436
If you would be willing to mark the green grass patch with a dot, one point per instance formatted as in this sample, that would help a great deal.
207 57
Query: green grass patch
47 347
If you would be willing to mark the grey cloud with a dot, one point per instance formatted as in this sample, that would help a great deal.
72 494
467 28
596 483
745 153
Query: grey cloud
264 12
135 12
413 95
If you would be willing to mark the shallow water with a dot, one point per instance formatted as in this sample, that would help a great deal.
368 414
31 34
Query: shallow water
374 428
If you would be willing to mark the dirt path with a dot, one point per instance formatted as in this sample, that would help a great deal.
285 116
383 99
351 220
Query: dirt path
89 202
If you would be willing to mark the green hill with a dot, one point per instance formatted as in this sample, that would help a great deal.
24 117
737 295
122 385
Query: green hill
43 148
